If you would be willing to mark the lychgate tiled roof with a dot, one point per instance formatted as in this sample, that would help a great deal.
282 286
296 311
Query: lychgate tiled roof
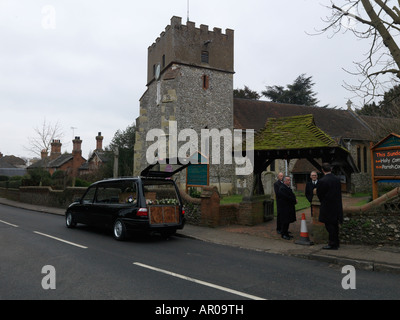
299 132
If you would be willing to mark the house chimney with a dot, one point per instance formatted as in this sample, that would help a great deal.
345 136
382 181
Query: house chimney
99 142
55 149
77 142
43 154
77 159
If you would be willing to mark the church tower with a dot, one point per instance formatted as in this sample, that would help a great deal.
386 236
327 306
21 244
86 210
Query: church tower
189 80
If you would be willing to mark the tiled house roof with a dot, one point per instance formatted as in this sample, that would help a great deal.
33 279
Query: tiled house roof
5 164
14 161
56 163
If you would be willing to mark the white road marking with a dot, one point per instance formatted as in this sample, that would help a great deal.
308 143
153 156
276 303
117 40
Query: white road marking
10 224
58 239
204 283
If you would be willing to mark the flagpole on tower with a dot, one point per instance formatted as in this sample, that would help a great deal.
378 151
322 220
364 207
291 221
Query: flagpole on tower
188 6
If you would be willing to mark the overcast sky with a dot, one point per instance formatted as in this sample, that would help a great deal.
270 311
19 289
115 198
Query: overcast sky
82 63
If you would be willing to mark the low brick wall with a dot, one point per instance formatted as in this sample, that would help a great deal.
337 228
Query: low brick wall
44 196
10 194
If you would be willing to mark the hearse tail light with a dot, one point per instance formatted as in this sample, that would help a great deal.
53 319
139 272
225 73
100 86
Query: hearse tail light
142 212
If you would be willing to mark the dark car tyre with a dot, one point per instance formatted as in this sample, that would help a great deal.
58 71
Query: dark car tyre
69 220
119 230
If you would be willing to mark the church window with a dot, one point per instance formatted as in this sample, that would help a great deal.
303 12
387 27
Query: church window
206 82
359 158
365 160
204 57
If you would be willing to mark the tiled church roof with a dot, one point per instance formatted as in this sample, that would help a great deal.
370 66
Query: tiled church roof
338 124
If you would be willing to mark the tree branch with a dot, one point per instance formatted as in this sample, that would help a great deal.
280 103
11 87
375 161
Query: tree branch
386 37
396 18
346 13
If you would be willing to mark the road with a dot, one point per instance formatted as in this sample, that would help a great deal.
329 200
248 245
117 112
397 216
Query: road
87 263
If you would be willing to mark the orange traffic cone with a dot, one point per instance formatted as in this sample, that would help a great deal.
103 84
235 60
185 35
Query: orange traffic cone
304 238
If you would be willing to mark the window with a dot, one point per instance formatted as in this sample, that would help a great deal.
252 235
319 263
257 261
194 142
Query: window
206 82
106 194
160 192
365 160
88 197
204 57
123 192
163 60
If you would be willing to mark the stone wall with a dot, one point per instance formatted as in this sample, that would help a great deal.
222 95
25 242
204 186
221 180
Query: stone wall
184 101
377 222
374 227
44 196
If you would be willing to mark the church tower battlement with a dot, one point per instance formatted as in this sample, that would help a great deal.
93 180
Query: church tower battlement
186 44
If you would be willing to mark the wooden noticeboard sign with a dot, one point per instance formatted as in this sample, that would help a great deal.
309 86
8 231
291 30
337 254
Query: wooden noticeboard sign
387 163
385 157
198 175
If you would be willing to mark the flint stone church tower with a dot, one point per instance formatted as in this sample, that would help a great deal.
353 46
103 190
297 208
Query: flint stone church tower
189 80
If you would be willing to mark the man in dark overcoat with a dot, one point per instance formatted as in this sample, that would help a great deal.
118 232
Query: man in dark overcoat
310 186
329 193
277 185
287 202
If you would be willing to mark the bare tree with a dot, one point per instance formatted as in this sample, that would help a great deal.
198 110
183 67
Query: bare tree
43 137
378 22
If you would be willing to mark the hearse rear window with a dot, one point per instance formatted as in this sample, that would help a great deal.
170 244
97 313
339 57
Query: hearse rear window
160 192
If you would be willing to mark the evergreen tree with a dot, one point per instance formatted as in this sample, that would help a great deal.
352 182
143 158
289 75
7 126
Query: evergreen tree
124 141
299 92
246 93
389 107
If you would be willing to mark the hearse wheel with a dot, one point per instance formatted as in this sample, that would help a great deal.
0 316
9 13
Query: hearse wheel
70 221
119 230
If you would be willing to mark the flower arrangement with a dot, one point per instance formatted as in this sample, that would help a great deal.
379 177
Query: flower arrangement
172 202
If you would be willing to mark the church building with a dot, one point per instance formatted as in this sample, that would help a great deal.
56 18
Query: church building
190 86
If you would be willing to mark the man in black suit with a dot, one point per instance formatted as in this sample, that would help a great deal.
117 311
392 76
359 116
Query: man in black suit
310 186
287 202
329 193
277 185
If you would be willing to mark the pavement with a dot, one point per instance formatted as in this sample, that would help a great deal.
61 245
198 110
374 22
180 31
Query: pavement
264 238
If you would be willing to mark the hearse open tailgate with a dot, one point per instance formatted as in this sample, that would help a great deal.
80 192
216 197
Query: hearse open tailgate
163 214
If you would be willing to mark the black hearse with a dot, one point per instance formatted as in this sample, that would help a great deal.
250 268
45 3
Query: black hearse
149 203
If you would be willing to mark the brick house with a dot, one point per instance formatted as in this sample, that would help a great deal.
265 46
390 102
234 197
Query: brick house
67 162
97 159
